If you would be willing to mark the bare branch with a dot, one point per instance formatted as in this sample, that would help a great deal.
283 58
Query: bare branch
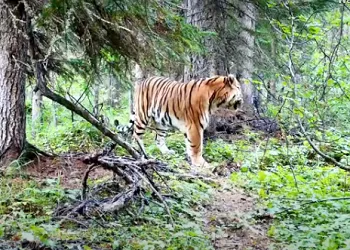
318 151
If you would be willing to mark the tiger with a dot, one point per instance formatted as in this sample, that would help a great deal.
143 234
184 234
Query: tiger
185 106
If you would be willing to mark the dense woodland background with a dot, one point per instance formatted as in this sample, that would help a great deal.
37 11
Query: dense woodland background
280 176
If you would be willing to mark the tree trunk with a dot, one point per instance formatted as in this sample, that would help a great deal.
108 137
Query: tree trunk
54 104
96 108
13 53
271 84
36 111
138 75
197 15
245 50
208 15
114 94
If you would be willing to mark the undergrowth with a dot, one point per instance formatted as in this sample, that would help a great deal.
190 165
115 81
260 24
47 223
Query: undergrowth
26 209
309 198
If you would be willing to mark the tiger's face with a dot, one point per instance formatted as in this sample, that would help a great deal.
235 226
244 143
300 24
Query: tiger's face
229 93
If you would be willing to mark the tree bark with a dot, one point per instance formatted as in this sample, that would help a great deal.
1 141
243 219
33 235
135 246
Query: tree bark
114 94
13 55
96 108
198 15
208 15
36 111
245 50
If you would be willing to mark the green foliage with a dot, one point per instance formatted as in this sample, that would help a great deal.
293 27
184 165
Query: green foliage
302 195
308 197
26 209
95 34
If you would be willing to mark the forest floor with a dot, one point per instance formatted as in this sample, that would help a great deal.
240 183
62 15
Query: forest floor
261 194
230 223
229 215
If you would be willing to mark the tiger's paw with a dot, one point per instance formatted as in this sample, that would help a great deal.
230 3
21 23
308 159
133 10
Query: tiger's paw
202 169
202 164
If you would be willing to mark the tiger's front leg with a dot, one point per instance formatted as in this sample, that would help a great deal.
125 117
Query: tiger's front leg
194 146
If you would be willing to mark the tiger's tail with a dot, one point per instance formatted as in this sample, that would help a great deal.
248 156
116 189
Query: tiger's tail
126 129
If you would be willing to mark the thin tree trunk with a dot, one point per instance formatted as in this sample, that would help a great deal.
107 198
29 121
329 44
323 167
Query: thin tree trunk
96 108
37 100
138 74
271 85
245 50
114 94
54 104
13 53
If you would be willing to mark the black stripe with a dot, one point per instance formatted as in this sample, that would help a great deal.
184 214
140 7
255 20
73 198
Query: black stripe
175 113
225 80
211 99
165 95
220 103
167 116
211 80
162 82
170 122
201 125
188 138
178 96
190 96
162 130
139 127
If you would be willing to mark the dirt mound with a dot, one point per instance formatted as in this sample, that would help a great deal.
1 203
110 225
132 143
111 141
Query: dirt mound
68 169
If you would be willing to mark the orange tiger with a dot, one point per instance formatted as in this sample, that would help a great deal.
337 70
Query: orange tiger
185 106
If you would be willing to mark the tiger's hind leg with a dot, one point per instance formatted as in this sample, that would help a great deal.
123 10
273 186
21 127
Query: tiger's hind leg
161 132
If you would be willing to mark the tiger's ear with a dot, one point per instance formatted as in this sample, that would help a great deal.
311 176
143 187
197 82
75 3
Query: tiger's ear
232 78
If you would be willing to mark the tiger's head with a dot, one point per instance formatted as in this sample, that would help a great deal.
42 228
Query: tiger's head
226 92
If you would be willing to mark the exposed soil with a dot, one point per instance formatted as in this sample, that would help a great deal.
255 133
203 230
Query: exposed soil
230 220
69 170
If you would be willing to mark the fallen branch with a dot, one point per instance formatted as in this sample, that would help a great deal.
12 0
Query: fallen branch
85 178
136 176
120 200
318 151
83 112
